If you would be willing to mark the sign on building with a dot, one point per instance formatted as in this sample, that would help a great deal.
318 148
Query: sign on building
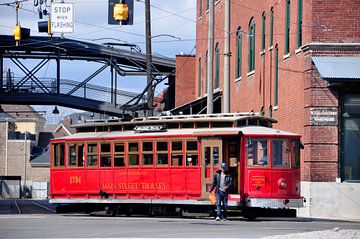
62 17
324 116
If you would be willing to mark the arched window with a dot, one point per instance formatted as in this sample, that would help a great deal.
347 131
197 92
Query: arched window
252 44
276 93
270 111
199 78
217 66
263 32
271 26
300 9
287 27
238 52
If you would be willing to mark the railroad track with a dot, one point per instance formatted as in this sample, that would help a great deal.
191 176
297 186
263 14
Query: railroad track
31 207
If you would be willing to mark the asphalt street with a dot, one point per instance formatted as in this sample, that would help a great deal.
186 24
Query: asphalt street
41 222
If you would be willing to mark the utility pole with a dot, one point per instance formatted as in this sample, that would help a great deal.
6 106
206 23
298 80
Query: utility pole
150 93
227 58
210 58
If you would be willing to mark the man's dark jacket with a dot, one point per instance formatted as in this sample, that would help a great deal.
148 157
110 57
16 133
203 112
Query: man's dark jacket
216 181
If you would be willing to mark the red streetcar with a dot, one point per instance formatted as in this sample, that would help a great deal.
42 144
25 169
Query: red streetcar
166 164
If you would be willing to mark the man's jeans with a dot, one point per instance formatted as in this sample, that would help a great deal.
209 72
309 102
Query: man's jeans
221 198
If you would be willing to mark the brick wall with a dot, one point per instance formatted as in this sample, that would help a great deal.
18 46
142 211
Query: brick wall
185 79
300 87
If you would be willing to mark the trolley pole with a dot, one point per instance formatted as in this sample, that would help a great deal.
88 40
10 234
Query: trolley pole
210 58
150 93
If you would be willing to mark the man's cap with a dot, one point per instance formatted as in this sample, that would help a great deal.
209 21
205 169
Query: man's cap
224 165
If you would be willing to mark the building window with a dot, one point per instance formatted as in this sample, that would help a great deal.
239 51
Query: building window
200 8
276 94
300 9
217 66
238 52
270 111
199 78
350 147
263 32
271 26
252 45
207 4
287 27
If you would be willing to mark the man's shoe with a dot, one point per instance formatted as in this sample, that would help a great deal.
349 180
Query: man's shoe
217 219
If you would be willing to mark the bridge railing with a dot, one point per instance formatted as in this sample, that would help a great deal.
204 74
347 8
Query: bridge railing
49 86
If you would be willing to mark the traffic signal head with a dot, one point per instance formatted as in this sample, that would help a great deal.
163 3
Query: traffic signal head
44 26
121 12
21 32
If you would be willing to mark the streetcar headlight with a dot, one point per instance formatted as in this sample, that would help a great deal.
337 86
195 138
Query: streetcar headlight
283 184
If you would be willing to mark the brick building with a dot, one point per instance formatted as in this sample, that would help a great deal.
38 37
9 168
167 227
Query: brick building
298 62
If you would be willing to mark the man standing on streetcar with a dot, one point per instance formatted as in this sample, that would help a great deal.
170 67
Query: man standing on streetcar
222 181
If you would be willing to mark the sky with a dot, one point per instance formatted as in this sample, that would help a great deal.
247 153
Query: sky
172 17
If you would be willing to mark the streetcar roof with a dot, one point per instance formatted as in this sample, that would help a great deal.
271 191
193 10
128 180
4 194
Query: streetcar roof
246 131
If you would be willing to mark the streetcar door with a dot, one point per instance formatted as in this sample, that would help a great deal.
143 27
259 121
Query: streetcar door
211 159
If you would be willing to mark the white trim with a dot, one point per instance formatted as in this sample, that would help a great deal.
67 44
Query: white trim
64 127
262 52
275 202
250 73
298 51
238 79
276 107
286 56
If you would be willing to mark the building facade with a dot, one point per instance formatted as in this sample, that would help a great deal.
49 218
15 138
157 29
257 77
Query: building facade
298 62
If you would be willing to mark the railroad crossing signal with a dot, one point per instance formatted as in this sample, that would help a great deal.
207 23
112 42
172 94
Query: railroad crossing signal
44 26
121 12
21 33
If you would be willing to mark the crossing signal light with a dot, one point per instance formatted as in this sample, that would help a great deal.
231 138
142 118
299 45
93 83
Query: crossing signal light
44 26
21 33
121 13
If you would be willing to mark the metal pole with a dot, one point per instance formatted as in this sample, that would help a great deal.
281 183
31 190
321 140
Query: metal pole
112 81
25 153
6 146
210 58
58 73
1 72
148 56
227 58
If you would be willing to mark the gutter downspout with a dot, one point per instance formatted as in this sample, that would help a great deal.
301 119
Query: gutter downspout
210 59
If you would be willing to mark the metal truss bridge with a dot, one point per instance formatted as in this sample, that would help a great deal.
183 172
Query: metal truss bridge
77 93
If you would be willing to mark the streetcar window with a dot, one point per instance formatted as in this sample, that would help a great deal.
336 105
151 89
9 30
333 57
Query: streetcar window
176 153
162 153
119 155
91 156
202 124
191 153
295 153
147 153
59 155
257 152
187 125
76 155
222 124
133 155
281 153
72 155
105 155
